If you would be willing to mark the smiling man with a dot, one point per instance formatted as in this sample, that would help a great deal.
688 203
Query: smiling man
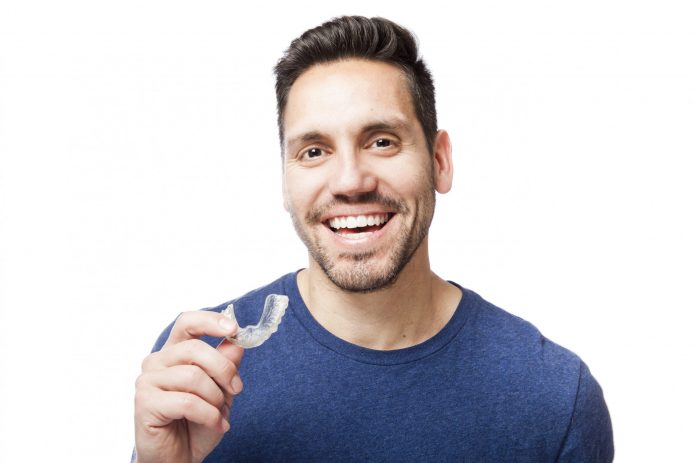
377 358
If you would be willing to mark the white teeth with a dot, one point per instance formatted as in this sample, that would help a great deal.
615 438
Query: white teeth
358 221
355 236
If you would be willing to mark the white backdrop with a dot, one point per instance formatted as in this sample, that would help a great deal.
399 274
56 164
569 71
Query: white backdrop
140 177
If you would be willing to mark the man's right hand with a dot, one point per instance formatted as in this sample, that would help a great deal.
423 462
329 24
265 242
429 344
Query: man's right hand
185 391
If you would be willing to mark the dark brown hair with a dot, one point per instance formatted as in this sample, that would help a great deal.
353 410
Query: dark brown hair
358 37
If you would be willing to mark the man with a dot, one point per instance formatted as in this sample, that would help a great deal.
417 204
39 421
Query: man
377 358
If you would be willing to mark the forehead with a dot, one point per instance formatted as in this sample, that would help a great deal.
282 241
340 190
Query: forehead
346 94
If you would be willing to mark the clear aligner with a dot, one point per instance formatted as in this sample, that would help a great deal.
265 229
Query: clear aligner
255 335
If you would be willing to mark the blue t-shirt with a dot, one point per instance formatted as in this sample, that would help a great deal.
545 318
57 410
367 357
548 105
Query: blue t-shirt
487 388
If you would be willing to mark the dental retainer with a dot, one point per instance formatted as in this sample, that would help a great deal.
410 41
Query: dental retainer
255 335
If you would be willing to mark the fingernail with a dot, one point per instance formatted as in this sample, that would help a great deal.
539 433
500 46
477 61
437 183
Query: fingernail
225 426
226 324
236 384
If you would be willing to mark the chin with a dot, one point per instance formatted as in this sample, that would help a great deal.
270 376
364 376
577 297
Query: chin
363 284
358 273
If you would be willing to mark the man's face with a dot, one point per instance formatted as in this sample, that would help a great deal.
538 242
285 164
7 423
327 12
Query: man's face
358 177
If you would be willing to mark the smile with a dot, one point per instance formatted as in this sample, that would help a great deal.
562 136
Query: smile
356 226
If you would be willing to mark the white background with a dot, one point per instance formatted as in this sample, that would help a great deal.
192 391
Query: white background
140 177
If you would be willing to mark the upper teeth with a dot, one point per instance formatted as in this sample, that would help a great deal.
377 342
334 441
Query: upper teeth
354 221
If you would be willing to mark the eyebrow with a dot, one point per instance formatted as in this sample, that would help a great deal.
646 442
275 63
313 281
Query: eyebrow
385 124
313 135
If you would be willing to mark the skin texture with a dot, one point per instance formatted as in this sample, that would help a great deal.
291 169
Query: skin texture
353 147
186 390
369 157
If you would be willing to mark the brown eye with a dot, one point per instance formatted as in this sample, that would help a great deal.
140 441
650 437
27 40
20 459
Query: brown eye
383 143
313 153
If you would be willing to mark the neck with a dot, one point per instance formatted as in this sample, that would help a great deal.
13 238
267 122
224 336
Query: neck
415 307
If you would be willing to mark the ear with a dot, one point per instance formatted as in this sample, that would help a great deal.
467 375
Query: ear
443 162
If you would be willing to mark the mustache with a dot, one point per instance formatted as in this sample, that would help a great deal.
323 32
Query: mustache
313 216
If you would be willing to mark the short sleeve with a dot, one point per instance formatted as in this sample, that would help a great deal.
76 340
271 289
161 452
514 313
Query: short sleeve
589 437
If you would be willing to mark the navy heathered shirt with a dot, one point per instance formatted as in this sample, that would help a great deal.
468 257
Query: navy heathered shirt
487 388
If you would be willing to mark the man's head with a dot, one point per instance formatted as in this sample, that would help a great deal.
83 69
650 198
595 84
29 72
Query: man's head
360 172
376 39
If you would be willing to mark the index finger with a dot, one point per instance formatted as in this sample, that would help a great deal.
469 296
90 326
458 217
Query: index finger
191 325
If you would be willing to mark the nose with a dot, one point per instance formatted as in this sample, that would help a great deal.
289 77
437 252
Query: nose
351 175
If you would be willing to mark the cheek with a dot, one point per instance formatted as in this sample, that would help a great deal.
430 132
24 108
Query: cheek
285 198
300 191
409 178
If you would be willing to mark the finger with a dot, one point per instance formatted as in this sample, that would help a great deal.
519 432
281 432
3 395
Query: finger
185 378
195 352
234 353
190 325
231 351
160 408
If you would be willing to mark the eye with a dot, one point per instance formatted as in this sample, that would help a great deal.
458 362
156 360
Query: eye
312 153
383 143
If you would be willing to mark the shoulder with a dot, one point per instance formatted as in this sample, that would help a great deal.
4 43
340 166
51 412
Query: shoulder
554 385
247 308
512 339
517 359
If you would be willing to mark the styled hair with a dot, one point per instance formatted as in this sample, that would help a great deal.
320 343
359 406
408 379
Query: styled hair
347 37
